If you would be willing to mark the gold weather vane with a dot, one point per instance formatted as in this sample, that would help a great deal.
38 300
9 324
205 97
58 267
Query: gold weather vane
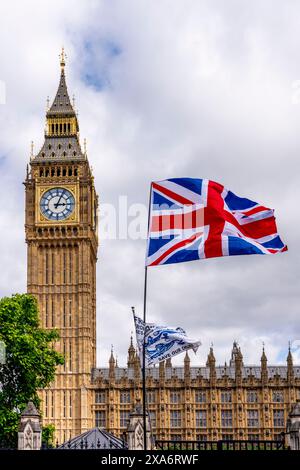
62 57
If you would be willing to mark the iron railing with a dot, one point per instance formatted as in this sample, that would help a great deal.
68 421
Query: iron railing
219 445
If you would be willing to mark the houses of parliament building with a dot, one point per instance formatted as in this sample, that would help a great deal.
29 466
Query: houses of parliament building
234 401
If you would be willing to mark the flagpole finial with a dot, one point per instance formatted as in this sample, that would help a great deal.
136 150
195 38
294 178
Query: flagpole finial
62 57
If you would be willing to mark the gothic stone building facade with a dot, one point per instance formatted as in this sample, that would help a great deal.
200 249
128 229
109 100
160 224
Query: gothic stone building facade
200 403
207 403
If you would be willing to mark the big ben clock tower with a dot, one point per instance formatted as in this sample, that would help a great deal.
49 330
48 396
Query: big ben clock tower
61 237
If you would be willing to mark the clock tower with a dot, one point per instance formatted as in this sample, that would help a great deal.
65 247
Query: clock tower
61 236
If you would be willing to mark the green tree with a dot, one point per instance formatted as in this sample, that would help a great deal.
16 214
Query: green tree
48 435
30 361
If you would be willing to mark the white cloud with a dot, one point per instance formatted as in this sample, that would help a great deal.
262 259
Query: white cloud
192 88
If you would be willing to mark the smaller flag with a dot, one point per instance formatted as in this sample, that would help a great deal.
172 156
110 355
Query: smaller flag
161 342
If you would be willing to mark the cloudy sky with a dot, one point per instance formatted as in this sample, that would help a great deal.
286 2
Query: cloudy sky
164 89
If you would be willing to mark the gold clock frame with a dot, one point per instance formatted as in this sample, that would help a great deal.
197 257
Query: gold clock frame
73 218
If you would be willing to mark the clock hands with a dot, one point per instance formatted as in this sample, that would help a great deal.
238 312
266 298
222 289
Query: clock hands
57 205
58 202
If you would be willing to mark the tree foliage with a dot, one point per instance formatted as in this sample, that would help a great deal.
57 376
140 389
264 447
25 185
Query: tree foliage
30 361
48 435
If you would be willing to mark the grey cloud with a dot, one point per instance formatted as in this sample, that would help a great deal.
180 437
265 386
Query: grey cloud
199 88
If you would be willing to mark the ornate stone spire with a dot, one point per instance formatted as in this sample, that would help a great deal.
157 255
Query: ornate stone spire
290 367
131 354
62 128
211 363
169 363
137 366
238 365
234 353
62 103
162 371
210 358
187 368
264 367
112 365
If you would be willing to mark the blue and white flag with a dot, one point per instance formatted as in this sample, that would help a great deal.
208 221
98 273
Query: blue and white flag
161 342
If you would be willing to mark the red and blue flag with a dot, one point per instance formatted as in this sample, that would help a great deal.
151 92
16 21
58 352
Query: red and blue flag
193 219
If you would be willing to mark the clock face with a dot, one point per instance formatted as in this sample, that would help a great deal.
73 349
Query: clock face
57 204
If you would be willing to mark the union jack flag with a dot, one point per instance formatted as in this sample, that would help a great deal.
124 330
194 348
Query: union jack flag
193 219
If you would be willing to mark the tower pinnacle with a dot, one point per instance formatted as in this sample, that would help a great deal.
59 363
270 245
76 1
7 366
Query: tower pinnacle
62 128
62 57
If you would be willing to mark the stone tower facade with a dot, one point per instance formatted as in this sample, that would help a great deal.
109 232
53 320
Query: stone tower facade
61 236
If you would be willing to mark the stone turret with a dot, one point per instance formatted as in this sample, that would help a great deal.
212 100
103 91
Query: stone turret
211 363
162 371
264 367
135 430
169 364
293 428
131 355
237 360
137 367
112 365
30 431
187 367
290 367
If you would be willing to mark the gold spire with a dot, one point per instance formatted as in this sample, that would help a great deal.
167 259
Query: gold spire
62 57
